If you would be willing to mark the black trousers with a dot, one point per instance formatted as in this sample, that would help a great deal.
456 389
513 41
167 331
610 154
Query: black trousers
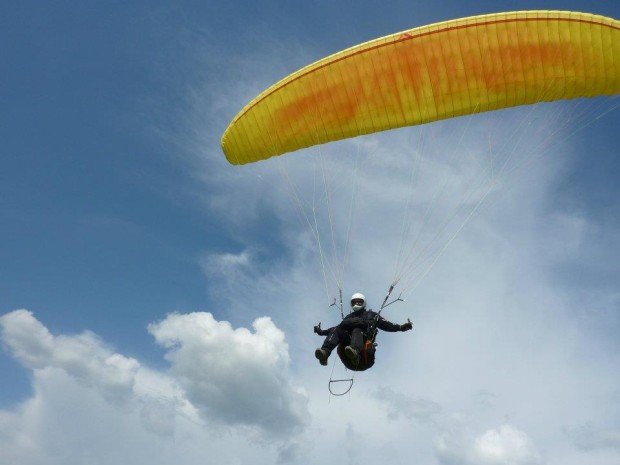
343 335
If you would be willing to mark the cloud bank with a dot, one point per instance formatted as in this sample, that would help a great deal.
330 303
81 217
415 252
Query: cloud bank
219 379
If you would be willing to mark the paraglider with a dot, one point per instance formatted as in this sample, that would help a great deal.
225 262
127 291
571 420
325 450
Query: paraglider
355 336
439 71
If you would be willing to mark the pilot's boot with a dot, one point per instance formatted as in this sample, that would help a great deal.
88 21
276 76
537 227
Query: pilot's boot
322 355
352 354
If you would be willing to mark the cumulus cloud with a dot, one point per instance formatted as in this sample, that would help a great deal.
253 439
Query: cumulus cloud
67 423
83 390
83 356
87 399
237 376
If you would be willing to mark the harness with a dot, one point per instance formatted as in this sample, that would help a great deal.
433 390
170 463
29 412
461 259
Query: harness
369 338
369 335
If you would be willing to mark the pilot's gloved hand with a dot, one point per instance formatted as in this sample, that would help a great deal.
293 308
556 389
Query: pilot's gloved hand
407 326
317 328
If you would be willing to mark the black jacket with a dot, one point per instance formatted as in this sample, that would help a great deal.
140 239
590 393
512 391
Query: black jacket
365 319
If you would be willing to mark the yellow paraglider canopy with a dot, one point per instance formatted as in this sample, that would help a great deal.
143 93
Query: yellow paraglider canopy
442 70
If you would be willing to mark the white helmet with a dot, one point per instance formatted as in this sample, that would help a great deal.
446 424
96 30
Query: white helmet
358 301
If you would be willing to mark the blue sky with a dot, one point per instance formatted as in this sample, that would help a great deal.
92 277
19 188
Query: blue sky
112 184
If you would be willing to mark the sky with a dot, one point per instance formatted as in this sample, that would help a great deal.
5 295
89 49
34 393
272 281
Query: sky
157 303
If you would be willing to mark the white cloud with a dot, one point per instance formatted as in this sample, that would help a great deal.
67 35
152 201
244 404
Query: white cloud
453 437
88 397
68 423
83 356
236 376
228 272
226 264
505 446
